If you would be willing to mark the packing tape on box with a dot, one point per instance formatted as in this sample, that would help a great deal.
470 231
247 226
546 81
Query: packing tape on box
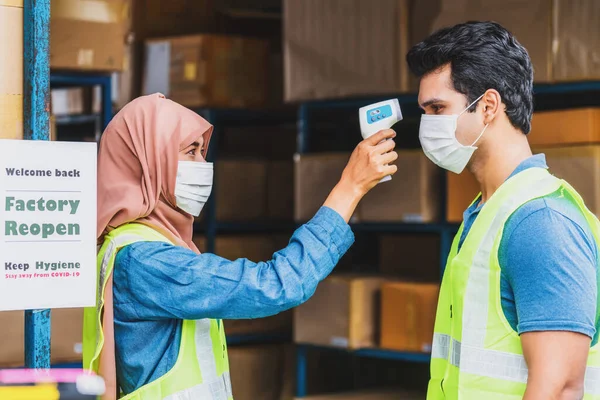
107 12
11 116
11 3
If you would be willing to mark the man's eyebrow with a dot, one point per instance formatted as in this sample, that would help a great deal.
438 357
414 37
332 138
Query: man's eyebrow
430 102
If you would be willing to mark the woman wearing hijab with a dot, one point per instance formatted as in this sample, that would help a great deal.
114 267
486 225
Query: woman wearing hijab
157 329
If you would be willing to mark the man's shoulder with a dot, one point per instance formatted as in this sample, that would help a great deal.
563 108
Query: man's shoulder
555 218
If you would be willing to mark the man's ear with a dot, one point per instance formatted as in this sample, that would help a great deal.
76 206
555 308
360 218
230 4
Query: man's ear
492 105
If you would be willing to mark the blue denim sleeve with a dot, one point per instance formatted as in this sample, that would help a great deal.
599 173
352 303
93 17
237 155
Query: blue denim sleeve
157 280
548 256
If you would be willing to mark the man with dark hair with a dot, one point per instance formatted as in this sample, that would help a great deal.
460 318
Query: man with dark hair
517 315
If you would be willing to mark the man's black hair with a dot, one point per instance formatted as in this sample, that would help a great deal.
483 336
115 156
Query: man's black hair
482 56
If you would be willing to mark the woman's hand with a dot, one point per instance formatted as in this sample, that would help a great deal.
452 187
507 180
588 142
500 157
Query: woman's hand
368 164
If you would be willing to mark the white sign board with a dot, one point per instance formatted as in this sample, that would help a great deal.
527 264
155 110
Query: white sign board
47 224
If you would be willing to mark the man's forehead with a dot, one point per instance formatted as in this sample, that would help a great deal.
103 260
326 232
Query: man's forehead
436 86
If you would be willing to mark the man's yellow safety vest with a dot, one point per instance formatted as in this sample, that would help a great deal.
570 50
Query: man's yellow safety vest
202 367
476 354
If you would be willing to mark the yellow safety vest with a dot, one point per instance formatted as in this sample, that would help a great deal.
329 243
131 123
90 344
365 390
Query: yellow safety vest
202 367
476 354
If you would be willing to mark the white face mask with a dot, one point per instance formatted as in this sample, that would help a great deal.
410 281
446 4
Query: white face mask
193 185
437 134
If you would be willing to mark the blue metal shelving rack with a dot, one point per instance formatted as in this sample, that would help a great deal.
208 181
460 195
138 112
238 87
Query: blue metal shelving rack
70 79
445 230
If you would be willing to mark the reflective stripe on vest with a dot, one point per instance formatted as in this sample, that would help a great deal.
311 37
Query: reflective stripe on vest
212 385
459 344
496 364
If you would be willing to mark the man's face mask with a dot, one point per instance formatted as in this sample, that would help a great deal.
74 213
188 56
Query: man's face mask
437 134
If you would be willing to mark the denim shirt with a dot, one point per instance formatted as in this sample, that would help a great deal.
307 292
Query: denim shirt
157 285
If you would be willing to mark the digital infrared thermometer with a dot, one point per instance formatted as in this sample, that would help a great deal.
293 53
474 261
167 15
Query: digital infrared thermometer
379 116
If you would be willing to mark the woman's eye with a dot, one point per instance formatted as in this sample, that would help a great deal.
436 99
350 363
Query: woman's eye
192 152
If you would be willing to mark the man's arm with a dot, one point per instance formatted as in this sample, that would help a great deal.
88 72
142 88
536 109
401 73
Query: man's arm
556 362
548 257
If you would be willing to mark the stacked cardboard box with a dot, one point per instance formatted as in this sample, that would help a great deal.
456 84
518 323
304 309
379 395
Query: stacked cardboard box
408 315
241 190
343 312
563 41
208 70
410 197
315 175
568 138
327 57
11 69
261 372
89 35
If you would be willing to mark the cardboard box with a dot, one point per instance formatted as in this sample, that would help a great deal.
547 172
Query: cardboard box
280 324
410 256
89 35
241 190
369 395
565 127
67 101
580 166
208 70
11 70
67 333
413 195
341 48
280 190
258 372
461 192
156 18
315 175
342 313
563 40
408 315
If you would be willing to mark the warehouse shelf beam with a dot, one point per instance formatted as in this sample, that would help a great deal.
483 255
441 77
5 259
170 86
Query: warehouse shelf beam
386 354
36 126
408 98
77 119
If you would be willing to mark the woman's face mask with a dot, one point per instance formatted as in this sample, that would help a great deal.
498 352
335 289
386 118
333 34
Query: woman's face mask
193 185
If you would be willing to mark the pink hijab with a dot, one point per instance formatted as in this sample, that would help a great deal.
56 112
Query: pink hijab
137 169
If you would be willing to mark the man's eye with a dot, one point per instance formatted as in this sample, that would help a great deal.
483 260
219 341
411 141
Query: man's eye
437 109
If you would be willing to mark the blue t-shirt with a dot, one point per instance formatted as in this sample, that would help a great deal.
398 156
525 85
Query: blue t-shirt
157 285
548 259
